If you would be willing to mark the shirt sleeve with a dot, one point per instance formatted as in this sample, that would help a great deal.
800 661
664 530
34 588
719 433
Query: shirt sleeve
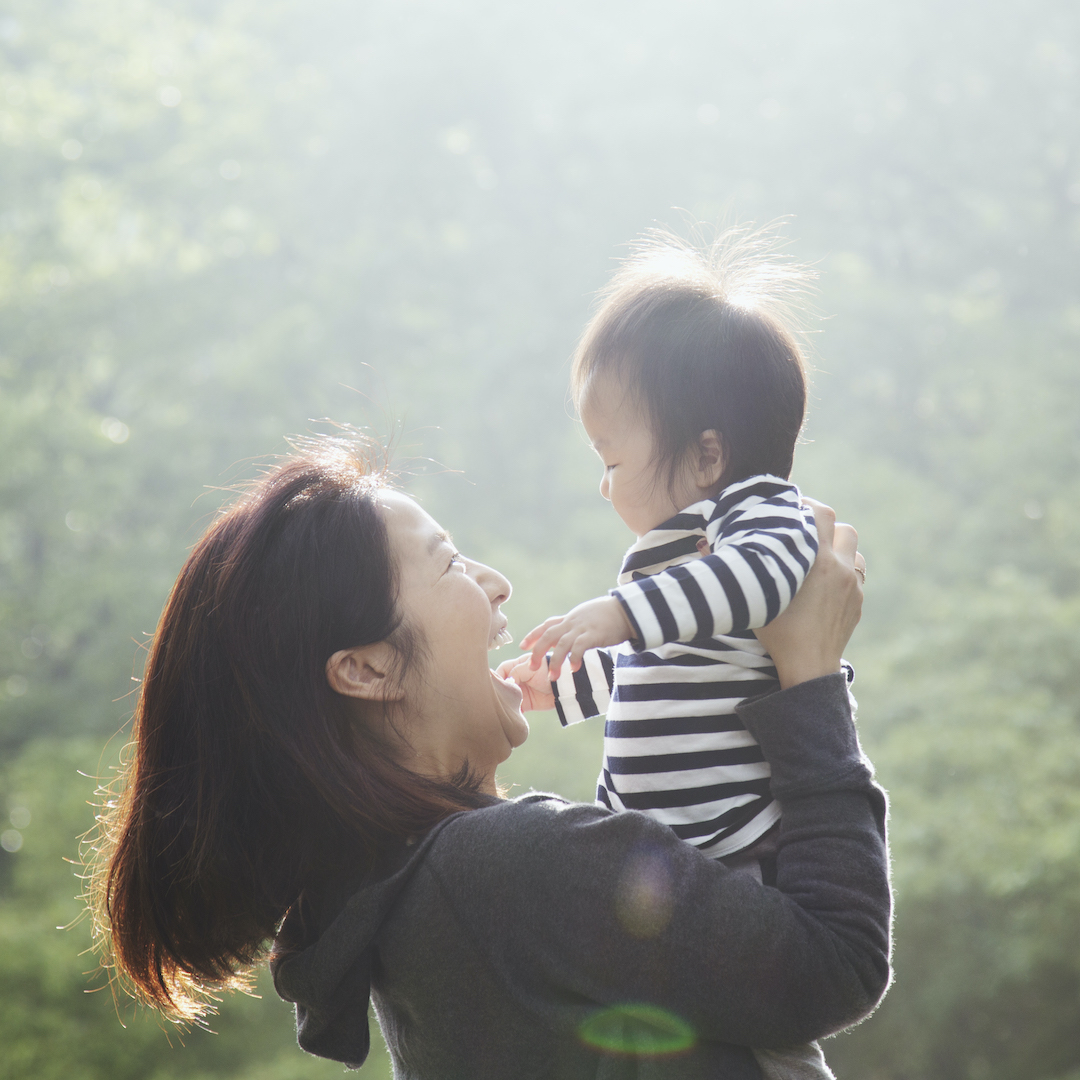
760 557
587 691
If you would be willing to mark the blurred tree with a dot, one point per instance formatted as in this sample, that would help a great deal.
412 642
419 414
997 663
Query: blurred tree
221 220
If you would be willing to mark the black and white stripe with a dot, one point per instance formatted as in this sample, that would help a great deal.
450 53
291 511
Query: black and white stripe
673 746
762 543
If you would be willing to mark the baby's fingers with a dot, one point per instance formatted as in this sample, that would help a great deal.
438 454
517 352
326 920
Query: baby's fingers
576 656
529 639
558 653
571 650
542 645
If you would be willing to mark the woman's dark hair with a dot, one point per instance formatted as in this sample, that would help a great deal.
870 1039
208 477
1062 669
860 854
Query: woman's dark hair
697 340
248 776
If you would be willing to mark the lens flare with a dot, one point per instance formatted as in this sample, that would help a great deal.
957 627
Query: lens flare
638 1030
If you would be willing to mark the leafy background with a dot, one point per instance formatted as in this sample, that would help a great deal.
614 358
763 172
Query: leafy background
222 221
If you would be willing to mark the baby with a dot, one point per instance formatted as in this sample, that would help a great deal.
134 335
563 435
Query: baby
693 394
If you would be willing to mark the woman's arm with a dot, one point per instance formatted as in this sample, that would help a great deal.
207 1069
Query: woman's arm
573 903
613 908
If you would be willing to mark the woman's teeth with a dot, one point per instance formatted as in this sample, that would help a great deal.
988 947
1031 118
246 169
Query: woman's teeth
503 637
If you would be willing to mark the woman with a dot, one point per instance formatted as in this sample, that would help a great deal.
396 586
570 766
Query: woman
315 751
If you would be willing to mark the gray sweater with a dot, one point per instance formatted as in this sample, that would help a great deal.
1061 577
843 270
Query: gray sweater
509 941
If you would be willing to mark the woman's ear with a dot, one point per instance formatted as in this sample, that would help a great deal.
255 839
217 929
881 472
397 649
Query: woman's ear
365 672
709 460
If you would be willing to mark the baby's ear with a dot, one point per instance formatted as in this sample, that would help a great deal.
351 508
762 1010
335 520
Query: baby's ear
709 465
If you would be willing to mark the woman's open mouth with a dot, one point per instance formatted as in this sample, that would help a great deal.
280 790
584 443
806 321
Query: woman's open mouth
502 637
508 693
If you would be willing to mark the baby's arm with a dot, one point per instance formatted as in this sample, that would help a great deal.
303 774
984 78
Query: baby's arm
760 557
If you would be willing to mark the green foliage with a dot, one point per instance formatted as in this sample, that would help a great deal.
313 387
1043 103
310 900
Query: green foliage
219 221
60 1018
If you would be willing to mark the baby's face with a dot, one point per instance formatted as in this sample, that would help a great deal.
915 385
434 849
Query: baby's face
621 437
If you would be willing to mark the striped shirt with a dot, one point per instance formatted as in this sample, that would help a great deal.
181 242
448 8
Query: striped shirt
673 745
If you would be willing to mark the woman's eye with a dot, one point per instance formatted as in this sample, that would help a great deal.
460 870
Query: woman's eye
455 558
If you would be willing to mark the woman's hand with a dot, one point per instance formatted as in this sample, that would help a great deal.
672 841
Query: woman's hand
808 639
535 684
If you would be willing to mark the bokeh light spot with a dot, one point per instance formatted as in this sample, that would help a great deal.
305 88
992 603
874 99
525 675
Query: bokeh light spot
20 817
11 840
115 430
457 140
636 1029
16 685
169 96
644 896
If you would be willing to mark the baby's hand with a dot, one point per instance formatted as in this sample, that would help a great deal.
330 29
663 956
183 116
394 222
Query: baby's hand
535 685
588 626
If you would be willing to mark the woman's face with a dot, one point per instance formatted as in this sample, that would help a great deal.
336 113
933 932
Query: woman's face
455 707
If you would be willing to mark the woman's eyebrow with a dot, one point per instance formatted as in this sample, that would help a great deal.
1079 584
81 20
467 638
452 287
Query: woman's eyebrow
441 537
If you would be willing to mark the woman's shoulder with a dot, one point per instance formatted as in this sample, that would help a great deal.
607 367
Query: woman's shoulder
535 811
543 834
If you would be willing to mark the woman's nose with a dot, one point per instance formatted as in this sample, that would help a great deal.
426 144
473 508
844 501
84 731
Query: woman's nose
604 487
494 584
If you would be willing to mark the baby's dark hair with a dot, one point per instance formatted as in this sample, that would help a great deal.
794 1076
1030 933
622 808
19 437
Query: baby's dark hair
699 338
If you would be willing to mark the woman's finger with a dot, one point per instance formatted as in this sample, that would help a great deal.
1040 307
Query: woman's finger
825 520
860 568
845 542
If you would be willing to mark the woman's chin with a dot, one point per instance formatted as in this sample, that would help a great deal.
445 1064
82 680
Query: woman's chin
508 695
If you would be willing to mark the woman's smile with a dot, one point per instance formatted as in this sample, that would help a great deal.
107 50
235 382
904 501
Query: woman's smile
461 710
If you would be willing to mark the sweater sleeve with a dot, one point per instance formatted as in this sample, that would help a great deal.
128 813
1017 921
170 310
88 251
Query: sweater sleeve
587 691
762 551
601 908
